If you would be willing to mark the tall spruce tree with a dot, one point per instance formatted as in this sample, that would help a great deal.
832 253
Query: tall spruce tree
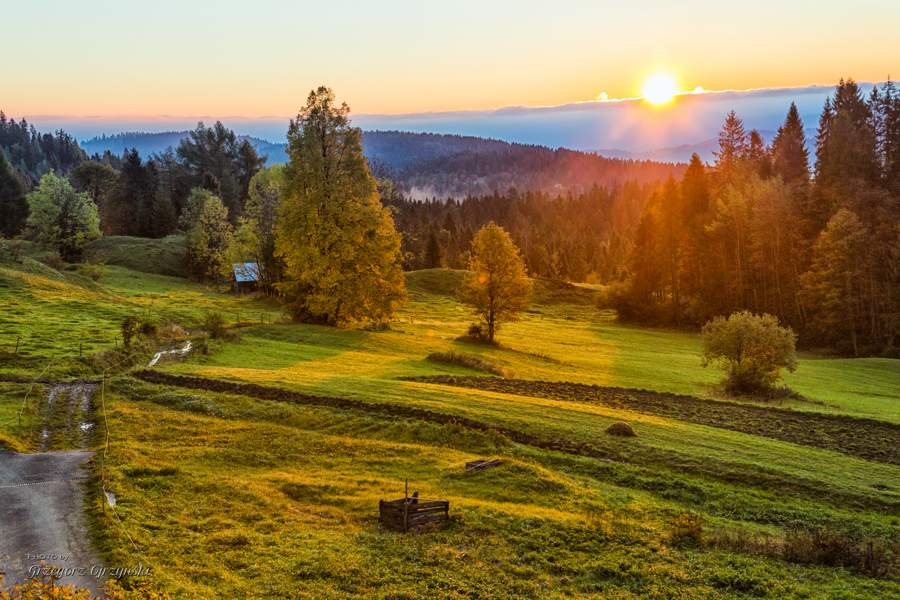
733 147
434 254
13 205
341 250
790 156
846 147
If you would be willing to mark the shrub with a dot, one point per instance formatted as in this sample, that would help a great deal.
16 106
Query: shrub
215 325
687 530
54 261
133 326
751 348
147 326
95 272
129 330
13 247
476 333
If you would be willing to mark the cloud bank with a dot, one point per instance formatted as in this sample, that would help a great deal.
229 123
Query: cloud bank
629 125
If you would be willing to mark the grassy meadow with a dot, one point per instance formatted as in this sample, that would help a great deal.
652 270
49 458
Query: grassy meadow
232 496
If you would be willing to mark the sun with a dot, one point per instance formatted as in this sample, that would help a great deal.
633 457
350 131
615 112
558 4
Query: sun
659 89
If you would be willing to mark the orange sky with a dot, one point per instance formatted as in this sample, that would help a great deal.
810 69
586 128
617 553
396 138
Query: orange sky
226 58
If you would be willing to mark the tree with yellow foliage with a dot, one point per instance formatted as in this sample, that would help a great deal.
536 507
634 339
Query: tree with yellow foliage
341 251
499 288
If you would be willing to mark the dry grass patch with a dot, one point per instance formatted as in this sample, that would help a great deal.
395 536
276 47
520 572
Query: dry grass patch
468 361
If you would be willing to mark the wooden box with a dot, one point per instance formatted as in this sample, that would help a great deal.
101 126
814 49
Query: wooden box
407 513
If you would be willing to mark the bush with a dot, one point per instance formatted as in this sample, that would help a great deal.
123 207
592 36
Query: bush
687 530
751 348
215 325
622 429
54 261
476 333
129 329
13 247
133 326
95 272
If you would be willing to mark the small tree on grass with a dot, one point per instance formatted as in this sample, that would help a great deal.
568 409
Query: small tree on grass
499 289
752 349
61 218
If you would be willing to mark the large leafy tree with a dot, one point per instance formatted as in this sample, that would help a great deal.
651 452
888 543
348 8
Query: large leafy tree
341 251
498 288
13 206
61 217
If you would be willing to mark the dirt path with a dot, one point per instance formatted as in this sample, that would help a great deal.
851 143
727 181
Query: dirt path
41 513
41 495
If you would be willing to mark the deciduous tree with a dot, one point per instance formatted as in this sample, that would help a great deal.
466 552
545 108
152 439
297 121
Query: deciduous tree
254 240
752 349
61 217
499 288
209 238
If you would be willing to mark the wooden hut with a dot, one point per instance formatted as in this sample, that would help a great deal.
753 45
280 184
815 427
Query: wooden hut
245 277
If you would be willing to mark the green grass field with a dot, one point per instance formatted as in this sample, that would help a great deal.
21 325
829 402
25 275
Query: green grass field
232 496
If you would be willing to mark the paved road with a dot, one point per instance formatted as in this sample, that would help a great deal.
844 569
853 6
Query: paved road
45 516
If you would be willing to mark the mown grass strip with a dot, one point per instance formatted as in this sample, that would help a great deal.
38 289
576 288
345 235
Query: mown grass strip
393 410
862 438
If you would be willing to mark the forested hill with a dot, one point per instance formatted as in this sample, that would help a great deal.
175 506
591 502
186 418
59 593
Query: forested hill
155 143
34 154
527 169
435 165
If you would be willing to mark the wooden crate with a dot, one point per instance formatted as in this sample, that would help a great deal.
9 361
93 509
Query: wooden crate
483 464
407 513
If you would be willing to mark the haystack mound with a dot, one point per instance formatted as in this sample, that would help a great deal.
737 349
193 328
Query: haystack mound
621 428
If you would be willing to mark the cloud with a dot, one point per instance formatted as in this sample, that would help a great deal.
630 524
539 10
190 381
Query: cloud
629 124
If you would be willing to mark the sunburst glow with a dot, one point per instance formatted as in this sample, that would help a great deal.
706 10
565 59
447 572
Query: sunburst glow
659 89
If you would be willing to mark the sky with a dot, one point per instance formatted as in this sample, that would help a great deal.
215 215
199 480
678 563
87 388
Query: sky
153 66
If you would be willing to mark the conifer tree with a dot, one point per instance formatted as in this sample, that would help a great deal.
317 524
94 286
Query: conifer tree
845 143
341 251
789 152
434 254
733 146
13 205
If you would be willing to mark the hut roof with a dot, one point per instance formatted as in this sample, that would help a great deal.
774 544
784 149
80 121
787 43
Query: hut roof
246 272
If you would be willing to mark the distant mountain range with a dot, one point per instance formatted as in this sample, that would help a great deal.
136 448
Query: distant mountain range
434 165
